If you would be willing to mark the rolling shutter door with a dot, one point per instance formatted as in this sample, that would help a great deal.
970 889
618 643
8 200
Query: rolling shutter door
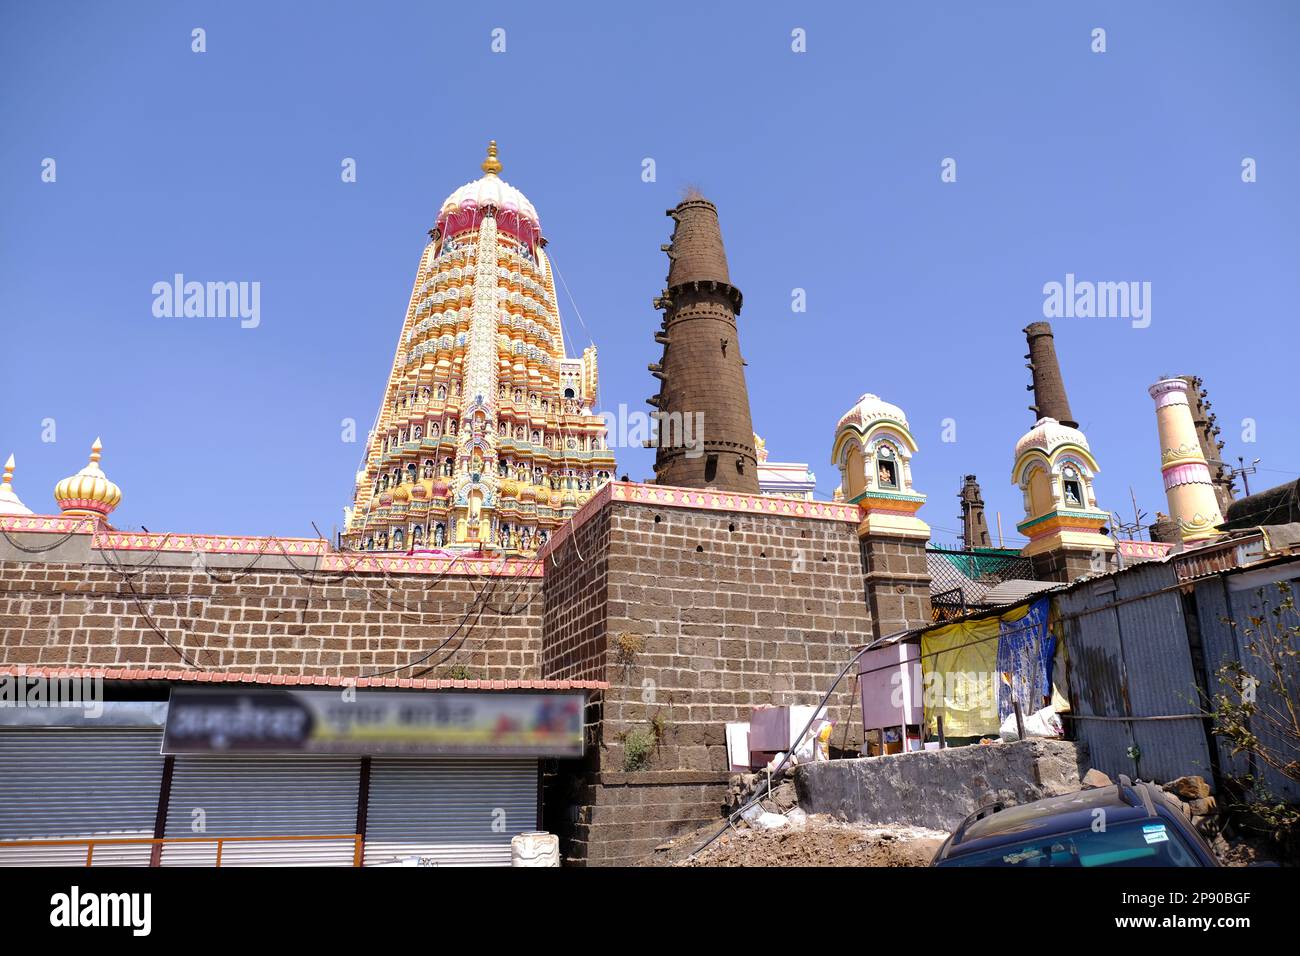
448 811
263 796
70 784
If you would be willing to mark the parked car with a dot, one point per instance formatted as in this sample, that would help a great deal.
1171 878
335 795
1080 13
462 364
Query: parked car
1130 824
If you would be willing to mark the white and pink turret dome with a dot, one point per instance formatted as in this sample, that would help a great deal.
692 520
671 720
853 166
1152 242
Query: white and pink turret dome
464 208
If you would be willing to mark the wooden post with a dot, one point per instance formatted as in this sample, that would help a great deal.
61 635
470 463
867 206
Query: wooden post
1020 720
943 741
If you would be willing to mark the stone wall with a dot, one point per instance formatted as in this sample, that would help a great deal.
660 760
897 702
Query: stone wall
937 788
704 614
1063 564
270 619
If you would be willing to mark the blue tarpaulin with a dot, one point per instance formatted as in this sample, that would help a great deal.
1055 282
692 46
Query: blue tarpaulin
1026 648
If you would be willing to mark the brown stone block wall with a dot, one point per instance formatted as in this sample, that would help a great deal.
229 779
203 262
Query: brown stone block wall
574 599
619 818
731 610
267 621
705 615
898 583
1062 564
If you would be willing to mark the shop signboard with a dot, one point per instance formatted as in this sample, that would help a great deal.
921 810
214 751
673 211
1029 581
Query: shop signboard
351 721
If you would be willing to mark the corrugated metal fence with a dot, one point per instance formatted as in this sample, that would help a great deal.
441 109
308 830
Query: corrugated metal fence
1136 704
1237 597
1143 658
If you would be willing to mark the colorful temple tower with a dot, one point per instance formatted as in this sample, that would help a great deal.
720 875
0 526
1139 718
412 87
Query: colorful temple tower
1054 468
486 436
705 436
1189 486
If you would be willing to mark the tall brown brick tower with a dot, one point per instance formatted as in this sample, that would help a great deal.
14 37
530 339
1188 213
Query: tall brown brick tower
1050 400
706 436
974 529
1207 432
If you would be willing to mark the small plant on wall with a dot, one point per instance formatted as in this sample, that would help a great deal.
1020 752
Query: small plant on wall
637 744
460 672
659 726
626 648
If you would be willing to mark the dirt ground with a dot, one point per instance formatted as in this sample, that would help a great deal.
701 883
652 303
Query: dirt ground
822 841
825 841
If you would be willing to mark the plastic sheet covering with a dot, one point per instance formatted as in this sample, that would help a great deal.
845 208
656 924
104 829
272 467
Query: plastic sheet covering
1026 649
958 667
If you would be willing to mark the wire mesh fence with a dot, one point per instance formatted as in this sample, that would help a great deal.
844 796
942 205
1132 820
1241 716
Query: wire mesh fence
961 579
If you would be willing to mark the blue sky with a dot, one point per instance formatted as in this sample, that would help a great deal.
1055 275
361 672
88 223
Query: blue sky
825 166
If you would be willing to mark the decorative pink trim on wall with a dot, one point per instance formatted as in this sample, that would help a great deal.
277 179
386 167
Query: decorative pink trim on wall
1143 549
696 499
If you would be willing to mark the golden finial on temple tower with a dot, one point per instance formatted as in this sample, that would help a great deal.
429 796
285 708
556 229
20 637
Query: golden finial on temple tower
492 165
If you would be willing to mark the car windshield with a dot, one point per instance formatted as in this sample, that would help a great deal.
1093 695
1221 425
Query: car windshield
1137 843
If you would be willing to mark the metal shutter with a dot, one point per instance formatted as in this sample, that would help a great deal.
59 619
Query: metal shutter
263 796
441 811
68 784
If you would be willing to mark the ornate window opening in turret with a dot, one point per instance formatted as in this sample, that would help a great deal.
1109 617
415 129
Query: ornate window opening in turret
886 467
1071 487
428 468
410 472
399 539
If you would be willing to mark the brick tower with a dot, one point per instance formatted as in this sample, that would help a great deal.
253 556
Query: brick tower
974 529
705 437
1048 387
1207 430
1055 470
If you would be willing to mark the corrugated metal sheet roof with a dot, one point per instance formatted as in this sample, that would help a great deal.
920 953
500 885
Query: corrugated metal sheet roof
1015 591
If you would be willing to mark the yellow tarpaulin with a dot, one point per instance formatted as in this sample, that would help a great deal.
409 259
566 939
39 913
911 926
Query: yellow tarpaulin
959 675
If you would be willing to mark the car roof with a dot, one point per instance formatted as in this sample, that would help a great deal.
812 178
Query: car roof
1073 811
